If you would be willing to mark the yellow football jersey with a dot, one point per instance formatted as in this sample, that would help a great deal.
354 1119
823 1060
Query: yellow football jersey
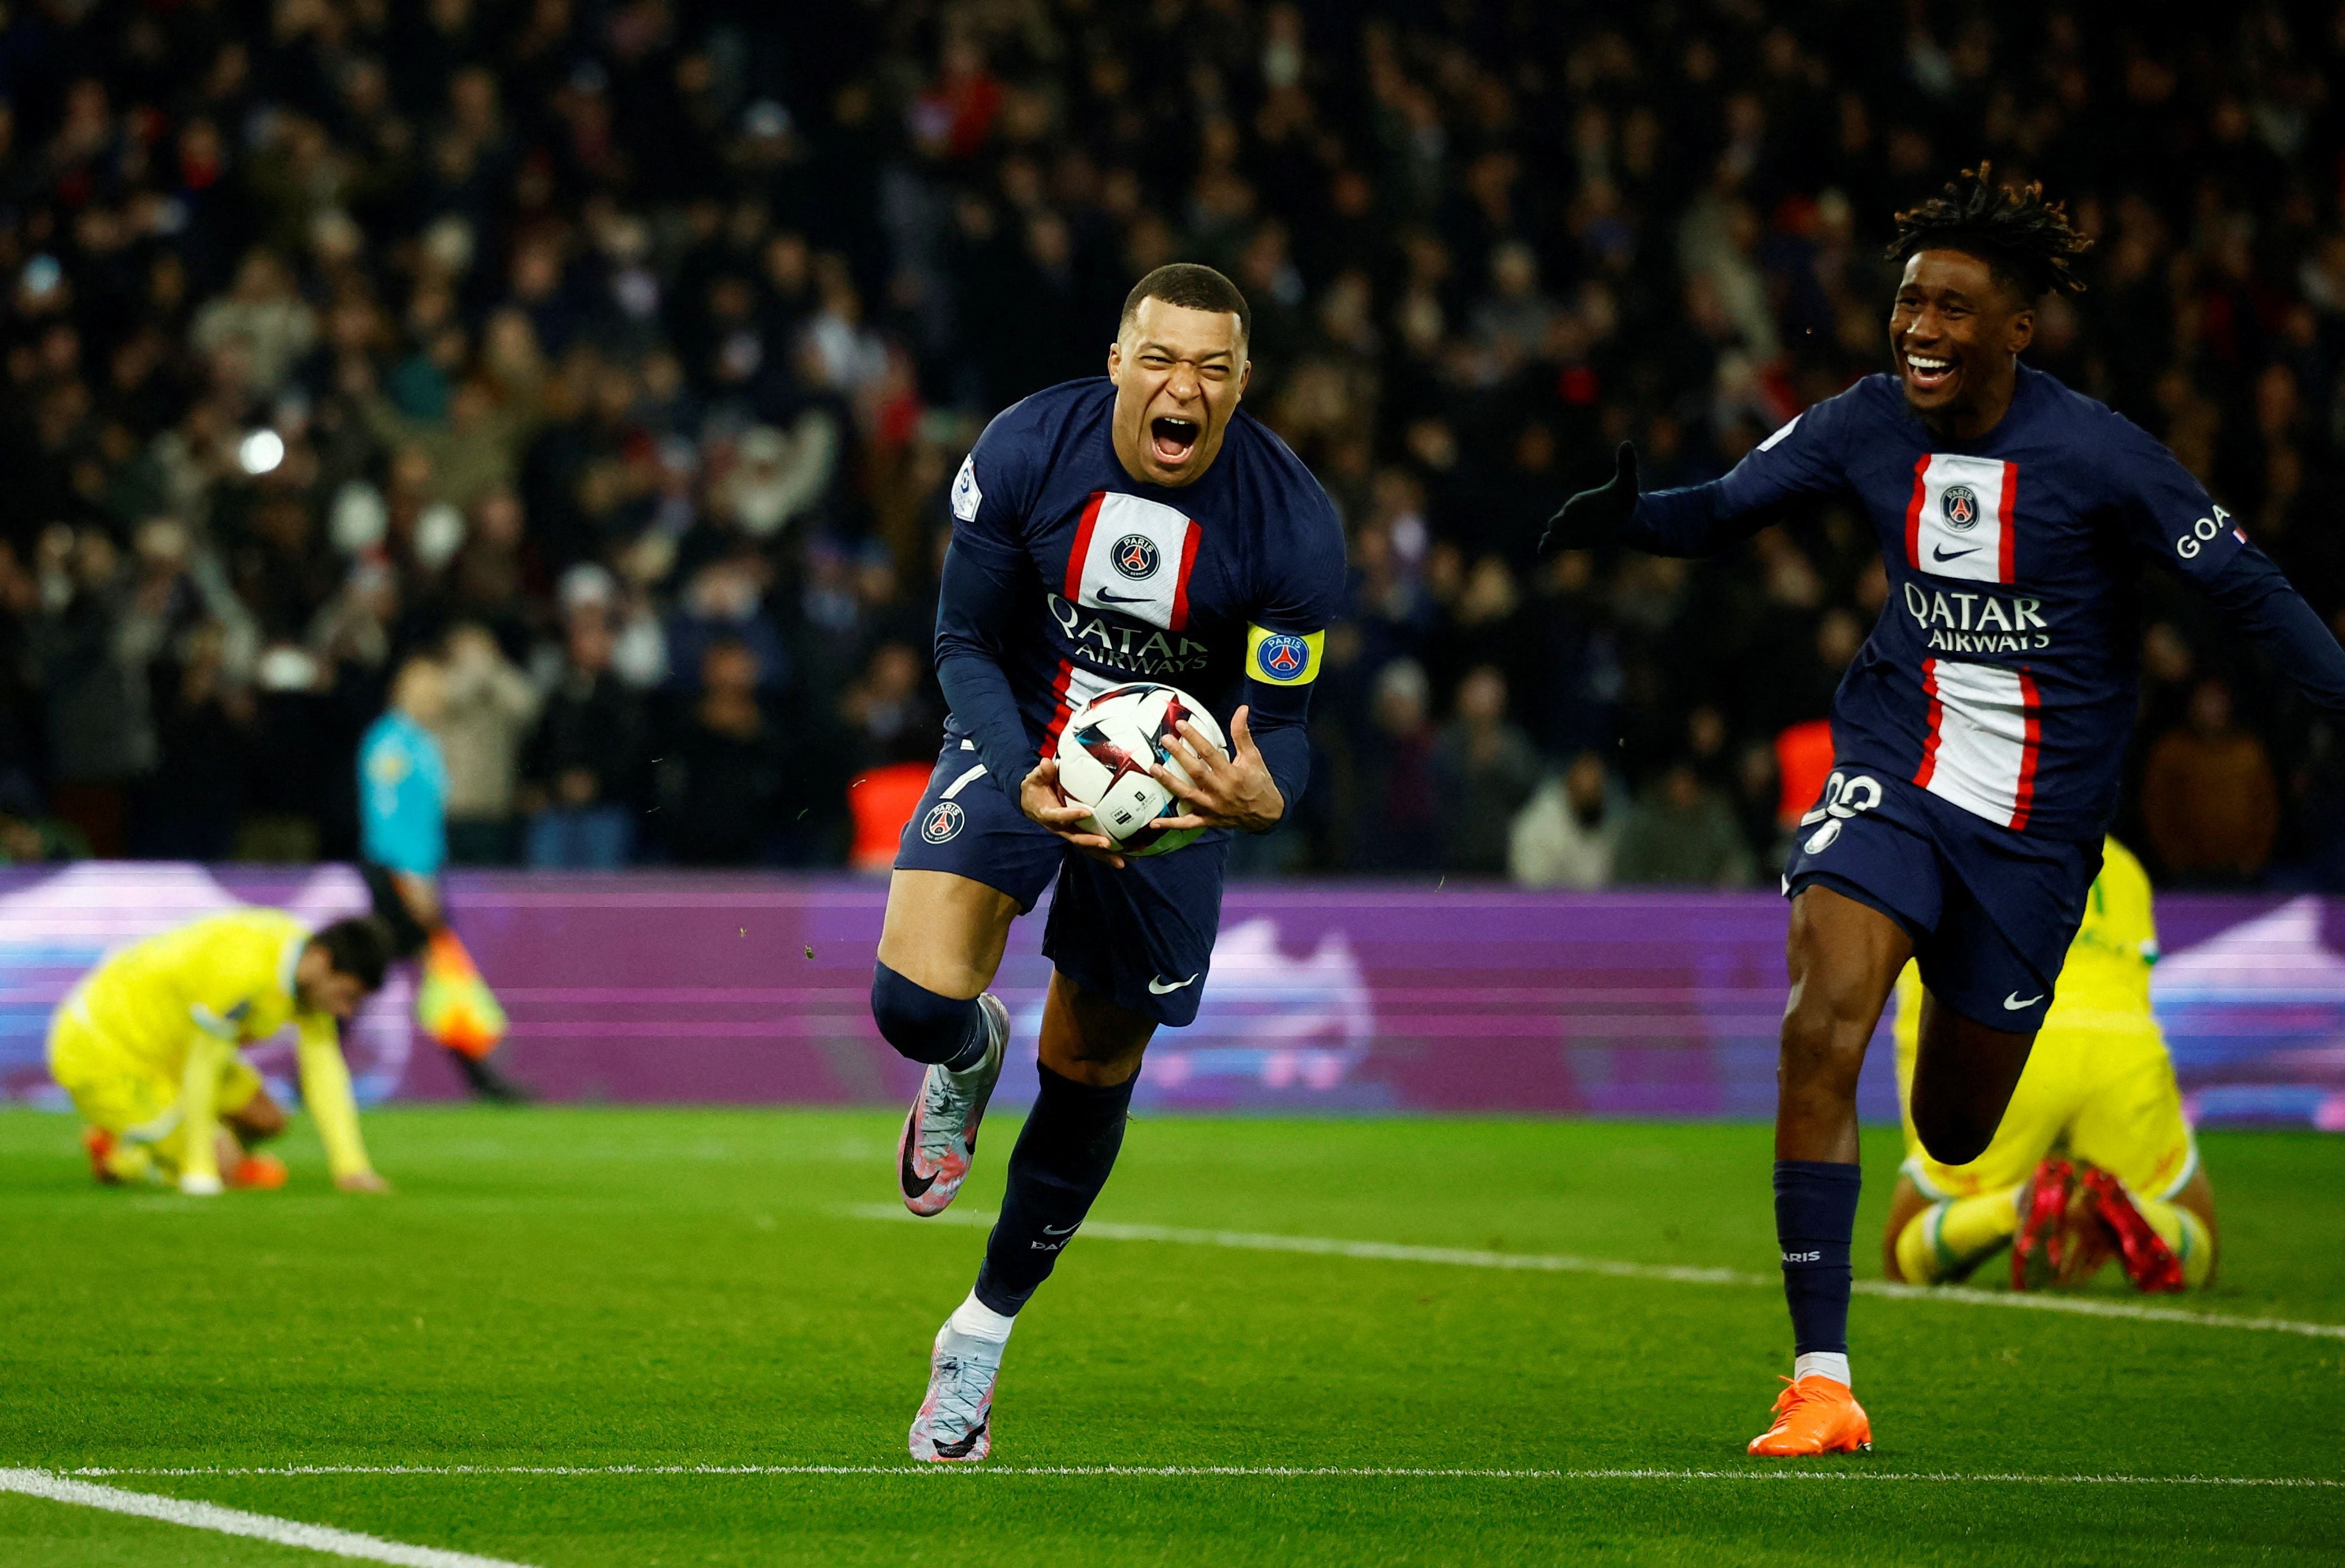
228 976
145 1045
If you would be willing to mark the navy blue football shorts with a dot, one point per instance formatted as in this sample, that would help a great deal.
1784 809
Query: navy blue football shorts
1991 910
1142 937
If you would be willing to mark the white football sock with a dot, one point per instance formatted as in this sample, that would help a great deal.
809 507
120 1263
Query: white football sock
1832 1364
978 1321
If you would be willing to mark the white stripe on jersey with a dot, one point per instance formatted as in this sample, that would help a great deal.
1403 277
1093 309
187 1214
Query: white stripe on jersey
1982 746
1957 523
1134 553
1076 687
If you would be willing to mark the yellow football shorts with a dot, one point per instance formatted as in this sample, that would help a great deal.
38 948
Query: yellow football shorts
125 1094
2098 1087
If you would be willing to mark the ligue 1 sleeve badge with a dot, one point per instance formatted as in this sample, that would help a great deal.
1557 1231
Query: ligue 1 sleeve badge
1282 657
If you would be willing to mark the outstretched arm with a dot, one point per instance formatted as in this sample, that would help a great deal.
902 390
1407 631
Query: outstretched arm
2257 600
1805 457
2174 520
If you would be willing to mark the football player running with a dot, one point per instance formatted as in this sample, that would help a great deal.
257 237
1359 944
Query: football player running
2094 1159
1136 528
1979 733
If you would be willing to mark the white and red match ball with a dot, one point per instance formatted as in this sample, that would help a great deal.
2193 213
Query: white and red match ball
1105 753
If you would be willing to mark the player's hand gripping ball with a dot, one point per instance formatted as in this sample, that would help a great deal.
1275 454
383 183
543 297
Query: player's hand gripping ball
1104 754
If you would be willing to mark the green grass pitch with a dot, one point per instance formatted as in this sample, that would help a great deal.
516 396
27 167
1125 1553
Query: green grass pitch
606 1288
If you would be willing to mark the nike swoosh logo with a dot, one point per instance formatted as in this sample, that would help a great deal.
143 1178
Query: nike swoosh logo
1063 1231
1104 597
1166 988
914 1186
2012 1003
1938 552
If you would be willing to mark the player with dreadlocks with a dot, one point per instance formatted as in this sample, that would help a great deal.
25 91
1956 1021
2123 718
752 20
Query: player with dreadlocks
1978 736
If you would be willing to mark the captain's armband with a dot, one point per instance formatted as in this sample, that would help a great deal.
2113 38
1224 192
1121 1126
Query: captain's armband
1283 658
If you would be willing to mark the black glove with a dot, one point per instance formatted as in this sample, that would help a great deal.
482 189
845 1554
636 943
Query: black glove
1594 517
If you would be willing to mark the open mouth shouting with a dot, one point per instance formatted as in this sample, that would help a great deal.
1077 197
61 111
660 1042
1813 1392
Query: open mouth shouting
1928 376
1171 438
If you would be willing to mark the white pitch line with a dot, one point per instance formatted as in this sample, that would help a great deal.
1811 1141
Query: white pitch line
1676 1274
237 1522
1207 1472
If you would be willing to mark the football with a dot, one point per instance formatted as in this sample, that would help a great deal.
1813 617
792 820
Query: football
1105 753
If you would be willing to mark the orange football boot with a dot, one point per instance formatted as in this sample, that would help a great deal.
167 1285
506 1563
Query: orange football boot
100 1145
1815 1415
264 1172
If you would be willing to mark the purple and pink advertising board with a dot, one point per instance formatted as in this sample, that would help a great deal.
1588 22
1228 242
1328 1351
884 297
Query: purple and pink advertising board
1324 996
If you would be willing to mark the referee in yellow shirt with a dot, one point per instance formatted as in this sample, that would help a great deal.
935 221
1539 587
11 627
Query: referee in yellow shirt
2095 1158
147 1045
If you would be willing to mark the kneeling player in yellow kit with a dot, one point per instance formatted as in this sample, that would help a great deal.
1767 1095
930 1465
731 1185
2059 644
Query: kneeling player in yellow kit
147 1044
2095 1157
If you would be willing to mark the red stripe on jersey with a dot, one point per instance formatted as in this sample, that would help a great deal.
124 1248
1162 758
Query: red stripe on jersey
2032 707
2010 521
1913 512
1060 710
1189 542
1081 553
1937 717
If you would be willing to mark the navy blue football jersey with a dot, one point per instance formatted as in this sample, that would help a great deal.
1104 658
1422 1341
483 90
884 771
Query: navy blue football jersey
2001 675
1231 579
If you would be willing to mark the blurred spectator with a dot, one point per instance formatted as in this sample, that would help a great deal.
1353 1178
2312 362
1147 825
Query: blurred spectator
888 716
583 768
489 708
2208 797
206 722
1568 832
406 321
723 605
1485 769
720 783
101 738
1400 819
1682 833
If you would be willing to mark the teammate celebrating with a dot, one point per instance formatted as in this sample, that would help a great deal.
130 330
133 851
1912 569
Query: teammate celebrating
1136 527
1979 732
147 1044
2093 1158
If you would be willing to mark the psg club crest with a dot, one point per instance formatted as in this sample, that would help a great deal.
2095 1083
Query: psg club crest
943 820
1282 658
1135 555
1961 505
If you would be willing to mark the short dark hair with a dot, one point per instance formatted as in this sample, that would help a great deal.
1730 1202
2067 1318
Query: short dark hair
1192 286
2026 240
358 947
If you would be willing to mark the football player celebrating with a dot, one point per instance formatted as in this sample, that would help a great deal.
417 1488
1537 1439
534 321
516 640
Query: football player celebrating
2093 1158
147 1044
1135 527
1980 731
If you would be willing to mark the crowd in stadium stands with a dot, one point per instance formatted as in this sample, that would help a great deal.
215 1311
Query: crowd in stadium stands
625 349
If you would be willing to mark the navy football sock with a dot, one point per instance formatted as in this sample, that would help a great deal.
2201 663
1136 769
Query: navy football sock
925 1026
1063 1155
1815 1220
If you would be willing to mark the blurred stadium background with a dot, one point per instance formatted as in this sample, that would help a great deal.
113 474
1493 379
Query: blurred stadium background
629 346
